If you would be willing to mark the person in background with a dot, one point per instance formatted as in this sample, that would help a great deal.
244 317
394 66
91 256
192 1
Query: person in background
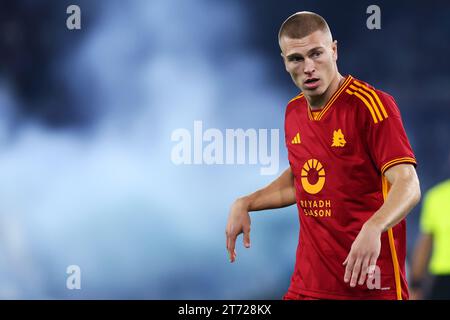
434 243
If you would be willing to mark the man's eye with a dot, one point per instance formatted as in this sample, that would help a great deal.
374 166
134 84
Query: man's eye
295 59
316 54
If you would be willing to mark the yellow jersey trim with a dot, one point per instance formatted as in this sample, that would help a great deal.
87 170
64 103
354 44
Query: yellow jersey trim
398 285
393 162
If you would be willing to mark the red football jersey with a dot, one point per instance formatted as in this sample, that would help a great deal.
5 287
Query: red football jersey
338 157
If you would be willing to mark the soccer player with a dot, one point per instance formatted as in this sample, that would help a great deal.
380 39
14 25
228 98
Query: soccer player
432 248
351 174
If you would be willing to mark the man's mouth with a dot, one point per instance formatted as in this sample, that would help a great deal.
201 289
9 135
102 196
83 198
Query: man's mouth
311 83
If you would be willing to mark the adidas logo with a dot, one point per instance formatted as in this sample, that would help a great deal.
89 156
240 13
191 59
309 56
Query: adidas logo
296 139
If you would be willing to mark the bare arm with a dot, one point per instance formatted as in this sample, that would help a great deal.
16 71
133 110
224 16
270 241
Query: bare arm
403 196
401 199
278 194
421 257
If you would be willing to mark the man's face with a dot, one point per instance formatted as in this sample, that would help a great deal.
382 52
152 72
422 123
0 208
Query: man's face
311 61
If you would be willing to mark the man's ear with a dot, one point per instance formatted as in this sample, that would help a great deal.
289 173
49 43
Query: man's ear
284 61
335 51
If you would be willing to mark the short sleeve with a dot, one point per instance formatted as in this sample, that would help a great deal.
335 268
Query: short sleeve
386 137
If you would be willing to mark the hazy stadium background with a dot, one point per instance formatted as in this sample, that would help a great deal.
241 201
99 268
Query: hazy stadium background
86 119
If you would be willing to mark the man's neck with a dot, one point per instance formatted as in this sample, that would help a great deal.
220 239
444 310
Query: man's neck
318 102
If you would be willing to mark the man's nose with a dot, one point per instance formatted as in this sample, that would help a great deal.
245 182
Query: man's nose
309 66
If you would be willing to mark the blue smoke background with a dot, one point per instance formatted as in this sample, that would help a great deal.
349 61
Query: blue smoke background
86 118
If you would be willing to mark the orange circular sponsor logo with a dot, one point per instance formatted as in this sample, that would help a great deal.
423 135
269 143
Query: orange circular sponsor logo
313 176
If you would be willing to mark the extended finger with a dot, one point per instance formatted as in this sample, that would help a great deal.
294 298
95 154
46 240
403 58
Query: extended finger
364 270
231 246
355 272
247 238
226 239
350 262
372 266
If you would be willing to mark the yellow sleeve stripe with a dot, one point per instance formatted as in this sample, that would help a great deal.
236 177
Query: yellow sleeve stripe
383 110
391 163
368 105
296 98
375 108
